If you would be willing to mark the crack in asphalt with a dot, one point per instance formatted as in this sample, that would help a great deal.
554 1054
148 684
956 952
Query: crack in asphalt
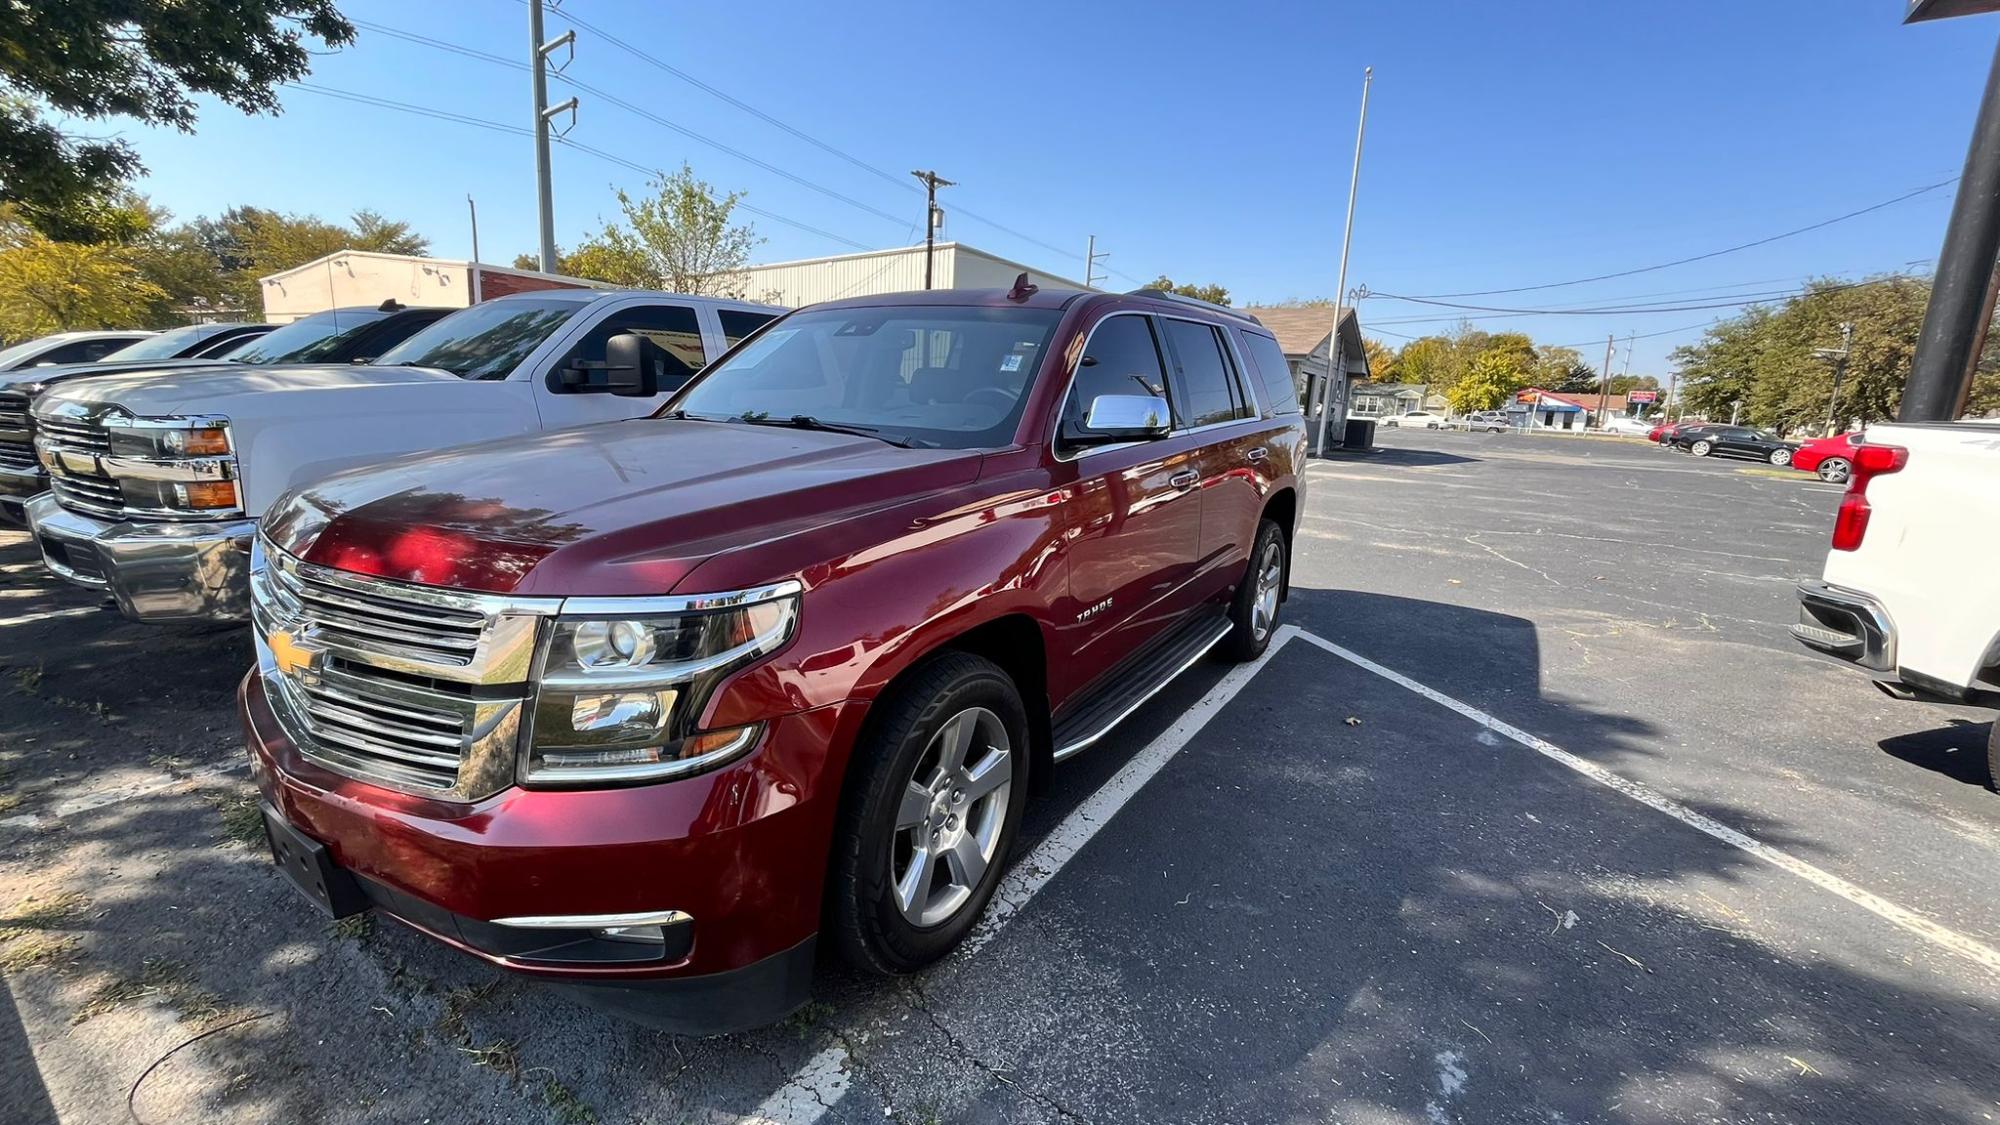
921 1005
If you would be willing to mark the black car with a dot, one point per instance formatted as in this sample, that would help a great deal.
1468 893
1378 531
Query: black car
1735 441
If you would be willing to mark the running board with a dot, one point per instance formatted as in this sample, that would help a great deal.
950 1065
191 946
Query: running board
1132 686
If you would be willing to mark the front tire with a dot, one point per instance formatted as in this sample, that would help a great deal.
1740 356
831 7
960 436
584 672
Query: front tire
1835 470
1254 610
1993 756
1781 457
932 803
1701 448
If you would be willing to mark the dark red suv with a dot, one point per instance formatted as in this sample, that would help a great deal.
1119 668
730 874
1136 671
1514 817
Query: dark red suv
646 709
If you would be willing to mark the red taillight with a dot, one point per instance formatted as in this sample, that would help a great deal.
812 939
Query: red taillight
1869 462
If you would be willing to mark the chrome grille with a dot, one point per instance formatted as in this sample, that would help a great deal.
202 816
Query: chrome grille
407 686
93 493
83 437
17 437
98 496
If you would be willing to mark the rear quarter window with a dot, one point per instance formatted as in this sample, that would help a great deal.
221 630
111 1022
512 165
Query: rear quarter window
1274 375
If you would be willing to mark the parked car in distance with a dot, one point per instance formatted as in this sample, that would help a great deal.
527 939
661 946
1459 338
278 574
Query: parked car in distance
1735 441
1620 424
157 484
650 710
1414 419
66 347
1831 457
334 336
1907 593
1487 421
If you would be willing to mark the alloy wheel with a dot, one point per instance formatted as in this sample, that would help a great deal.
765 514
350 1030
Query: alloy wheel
1781 457
1270 582
1834 470
948 824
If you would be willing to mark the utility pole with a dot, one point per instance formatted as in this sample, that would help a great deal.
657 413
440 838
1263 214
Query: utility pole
544 185
1673 381
1604 385
1335 360
473 208
1839 358
931 181
1090 259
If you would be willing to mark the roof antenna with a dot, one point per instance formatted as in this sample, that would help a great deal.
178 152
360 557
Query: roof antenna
1022 288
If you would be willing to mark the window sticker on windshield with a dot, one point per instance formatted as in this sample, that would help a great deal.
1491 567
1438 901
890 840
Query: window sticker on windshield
1010 362
764 345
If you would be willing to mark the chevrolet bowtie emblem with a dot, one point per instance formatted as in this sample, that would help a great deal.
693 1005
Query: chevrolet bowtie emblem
291 654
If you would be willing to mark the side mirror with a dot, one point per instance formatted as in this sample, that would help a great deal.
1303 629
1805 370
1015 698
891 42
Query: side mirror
632 365
1116 418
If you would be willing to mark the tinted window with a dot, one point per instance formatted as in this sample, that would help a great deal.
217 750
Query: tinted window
306 334
1120 359
737 324
170 344
82 351
953 377
673 327
1204 391
485 341
1274 375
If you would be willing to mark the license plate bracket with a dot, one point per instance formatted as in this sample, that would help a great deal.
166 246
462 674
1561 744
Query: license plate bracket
311 868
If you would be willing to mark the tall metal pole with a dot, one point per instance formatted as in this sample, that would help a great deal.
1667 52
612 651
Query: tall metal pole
1948 345
473 209
1839 370
1335 360
1089 260
544 186
1604 385
931 181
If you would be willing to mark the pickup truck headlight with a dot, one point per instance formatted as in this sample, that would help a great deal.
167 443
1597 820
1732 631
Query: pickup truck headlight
175 464
620 693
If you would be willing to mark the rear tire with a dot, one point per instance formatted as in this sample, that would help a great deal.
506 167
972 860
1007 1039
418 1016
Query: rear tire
1701 448
1254 610
888 911
1835 470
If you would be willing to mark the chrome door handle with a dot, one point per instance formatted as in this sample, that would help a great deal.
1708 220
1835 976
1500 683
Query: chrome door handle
1258 453
1186 478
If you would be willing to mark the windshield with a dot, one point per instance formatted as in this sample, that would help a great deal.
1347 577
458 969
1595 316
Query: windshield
306 339
956 378
485 341
165 345
9 356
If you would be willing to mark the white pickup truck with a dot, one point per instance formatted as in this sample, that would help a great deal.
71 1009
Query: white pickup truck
157 480
1911 589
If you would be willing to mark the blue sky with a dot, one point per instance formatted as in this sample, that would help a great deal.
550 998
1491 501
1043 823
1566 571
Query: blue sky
1508 144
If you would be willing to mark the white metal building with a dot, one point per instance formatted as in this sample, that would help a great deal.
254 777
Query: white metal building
954 265
346 278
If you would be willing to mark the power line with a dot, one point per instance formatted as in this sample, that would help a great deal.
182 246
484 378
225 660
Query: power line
1925 190
1644 308
522 131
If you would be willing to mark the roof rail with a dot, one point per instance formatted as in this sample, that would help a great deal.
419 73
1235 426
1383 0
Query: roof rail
1184 299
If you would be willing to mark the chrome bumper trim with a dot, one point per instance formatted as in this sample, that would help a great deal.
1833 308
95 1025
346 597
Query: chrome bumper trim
157 572
1847 624
596 921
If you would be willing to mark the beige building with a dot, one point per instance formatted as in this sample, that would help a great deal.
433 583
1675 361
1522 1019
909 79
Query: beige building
347 278
954 265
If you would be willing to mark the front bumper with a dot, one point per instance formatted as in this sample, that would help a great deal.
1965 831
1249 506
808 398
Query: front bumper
1846 624
156 571
16 486
740 853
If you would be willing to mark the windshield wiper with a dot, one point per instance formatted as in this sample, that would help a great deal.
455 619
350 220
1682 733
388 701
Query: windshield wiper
808 422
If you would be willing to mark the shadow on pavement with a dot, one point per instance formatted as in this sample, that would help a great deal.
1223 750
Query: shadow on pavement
1956 750
1392 455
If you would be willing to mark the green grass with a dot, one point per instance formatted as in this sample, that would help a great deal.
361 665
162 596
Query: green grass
242 820
568 1108
33 950
169 980
355 927
56 912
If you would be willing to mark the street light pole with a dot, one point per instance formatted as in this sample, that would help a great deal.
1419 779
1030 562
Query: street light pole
1839 358
1335 357
1604 384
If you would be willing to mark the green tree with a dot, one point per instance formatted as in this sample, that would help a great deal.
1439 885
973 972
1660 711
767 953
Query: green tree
1381 361
681 238
1426 360
50 286
138 59
1213 294
1563 369
249 243
1489 380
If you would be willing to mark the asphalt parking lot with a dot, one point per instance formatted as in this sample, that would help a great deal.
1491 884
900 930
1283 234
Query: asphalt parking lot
1536 814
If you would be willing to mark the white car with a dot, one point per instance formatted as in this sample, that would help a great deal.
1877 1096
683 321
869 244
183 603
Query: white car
1416 420
1619 424
1486 421
1908 592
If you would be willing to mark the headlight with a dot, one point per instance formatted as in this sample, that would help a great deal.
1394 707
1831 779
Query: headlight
620 693
175 464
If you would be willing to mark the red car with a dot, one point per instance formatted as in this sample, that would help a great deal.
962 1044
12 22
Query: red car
651 709
1831 457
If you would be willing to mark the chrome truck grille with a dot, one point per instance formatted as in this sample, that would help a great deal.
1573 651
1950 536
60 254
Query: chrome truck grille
72 448
411 687
17 437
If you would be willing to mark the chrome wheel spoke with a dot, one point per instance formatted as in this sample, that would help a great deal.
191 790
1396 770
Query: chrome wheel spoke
913 889
966 861
995 770
954 740
915 808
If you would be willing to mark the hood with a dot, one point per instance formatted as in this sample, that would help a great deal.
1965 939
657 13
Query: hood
60 373
620 508
210 389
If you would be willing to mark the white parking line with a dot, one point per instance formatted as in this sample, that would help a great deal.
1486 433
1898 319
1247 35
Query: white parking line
1979 953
